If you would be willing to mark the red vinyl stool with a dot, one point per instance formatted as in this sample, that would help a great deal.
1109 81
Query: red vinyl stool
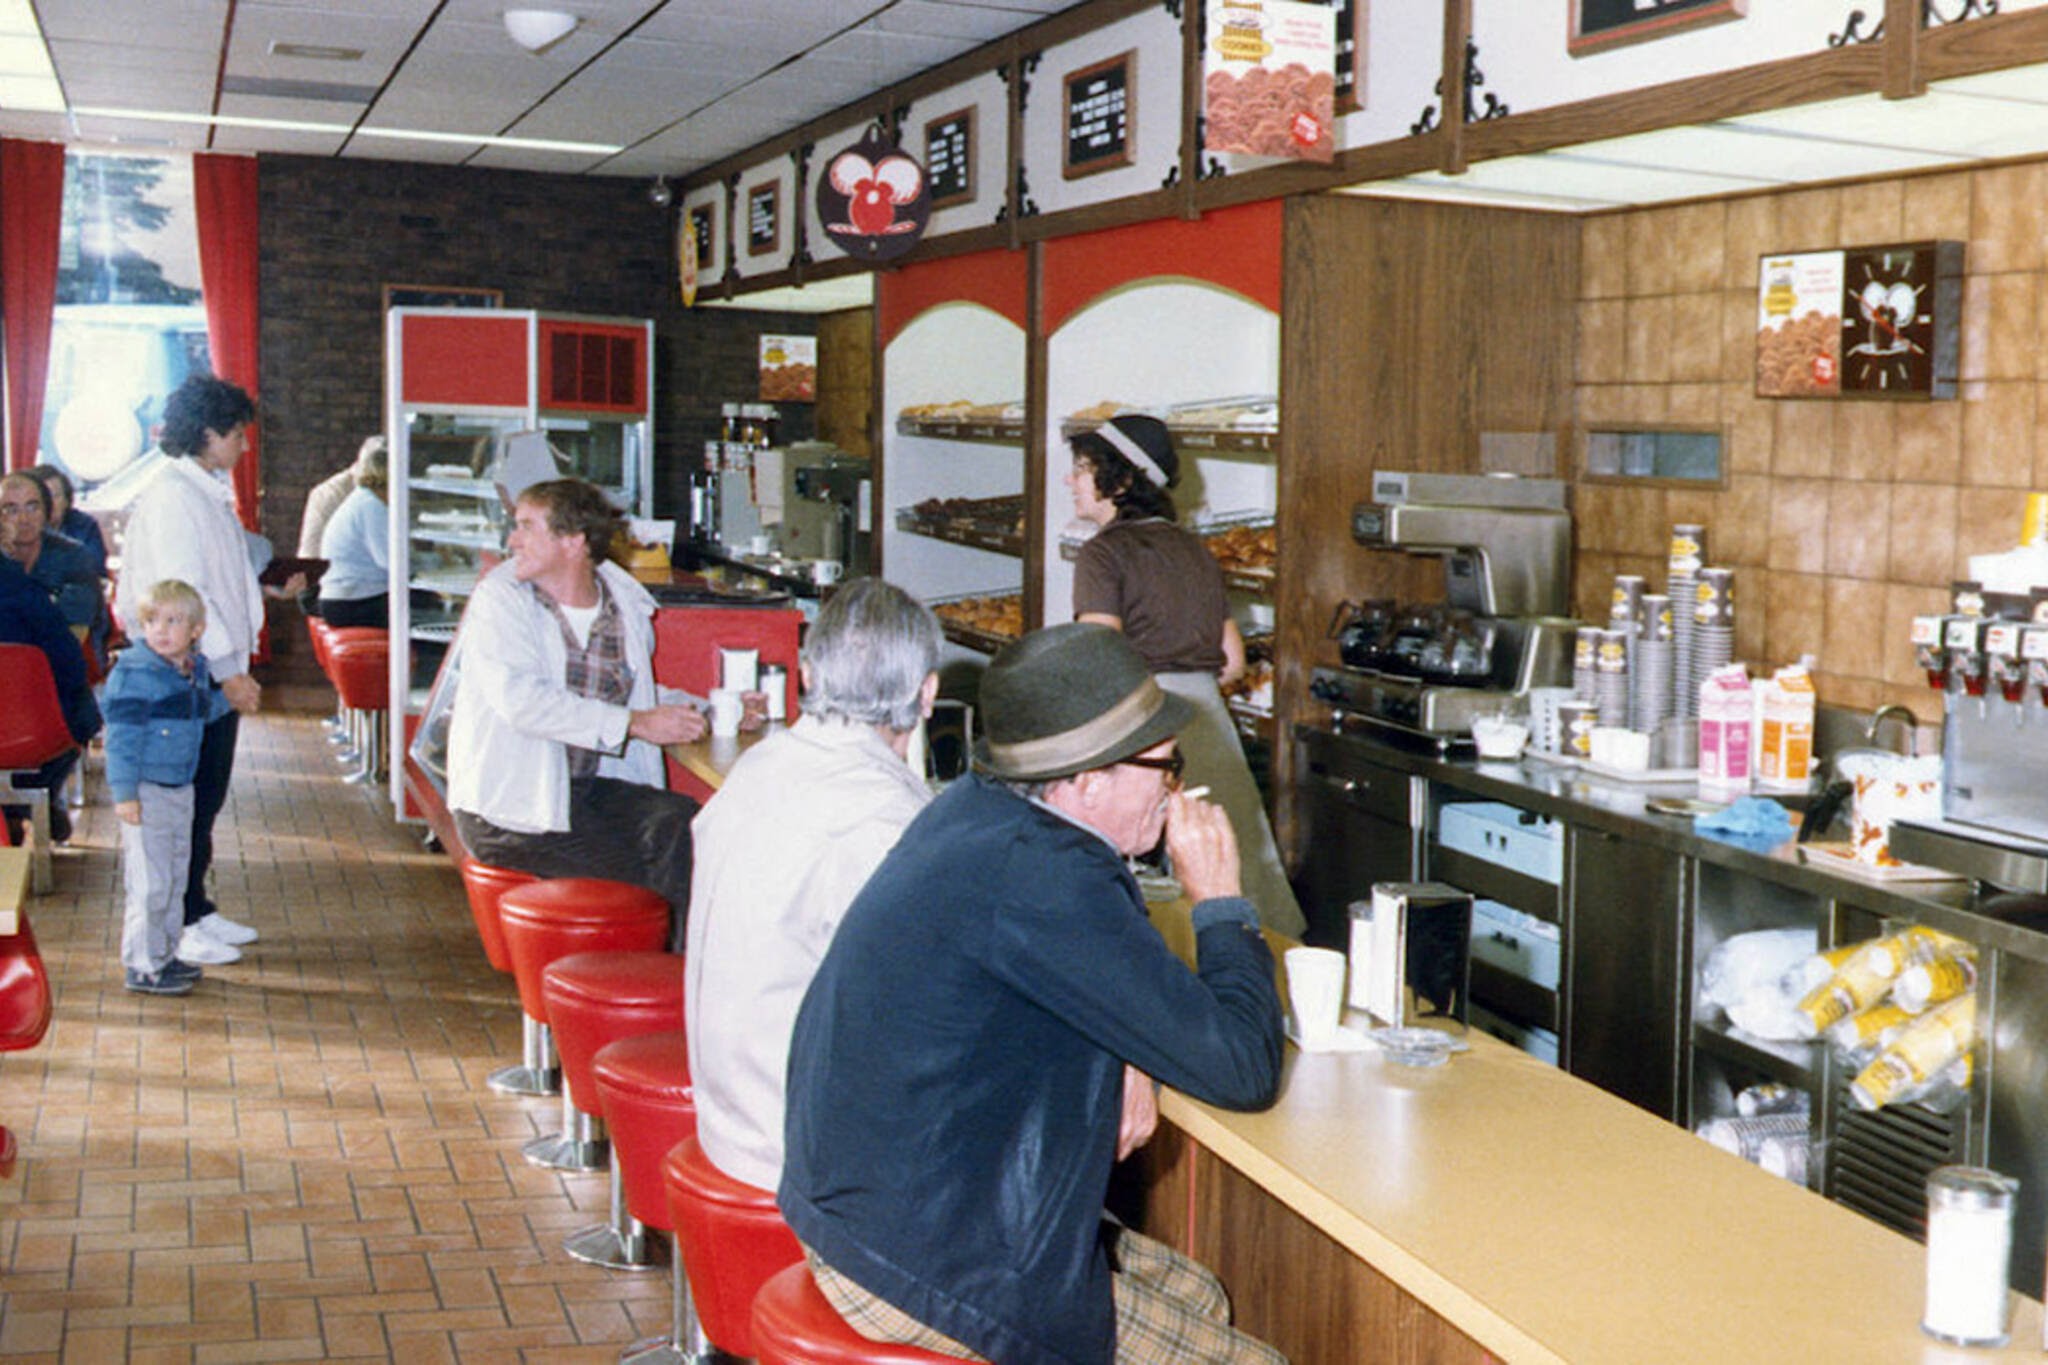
732 1238
551 919
594 999
359 665
643 1085
318 634
795 1324
24 1005
485 884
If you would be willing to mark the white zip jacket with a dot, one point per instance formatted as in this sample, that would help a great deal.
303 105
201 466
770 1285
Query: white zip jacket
515 715
182 525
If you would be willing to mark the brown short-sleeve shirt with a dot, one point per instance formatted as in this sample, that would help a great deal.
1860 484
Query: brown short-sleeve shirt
1164 585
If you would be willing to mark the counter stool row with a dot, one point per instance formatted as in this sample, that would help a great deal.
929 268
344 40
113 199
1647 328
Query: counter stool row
602 1009
357 661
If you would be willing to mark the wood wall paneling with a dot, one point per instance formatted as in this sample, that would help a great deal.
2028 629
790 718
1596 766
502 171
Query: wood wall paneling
846 380
1290 1284
1406 329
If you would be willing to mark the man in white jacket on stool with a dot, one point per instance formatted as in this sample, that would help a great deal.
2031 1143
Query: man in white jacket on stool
554 753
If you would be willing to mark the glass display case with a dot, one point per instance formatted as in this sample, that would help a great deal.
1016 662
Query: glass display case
459 384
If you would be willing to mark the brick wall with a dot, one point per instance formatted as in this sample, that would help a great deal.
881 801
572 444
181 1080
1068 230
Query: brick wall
1842 518
336 231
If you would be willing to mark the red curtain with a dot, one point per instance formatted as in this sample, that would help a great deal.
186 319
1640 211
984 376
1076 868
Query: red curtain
31 221
224 201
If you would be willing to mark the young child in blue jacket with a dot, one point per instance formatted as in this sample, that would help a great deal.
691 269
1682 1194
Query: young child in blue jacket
158 701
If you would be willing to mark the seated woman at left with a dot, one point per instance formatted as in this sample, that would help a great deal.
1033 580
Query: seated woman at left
355 590
61 566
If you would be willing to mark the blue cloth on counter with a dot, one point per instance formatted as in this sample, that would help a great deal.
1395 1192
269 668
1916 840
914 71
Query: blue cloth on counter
1754 822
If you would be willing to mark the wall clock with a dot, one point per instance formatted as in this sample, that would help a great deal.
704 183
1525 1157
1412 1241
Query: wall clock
1891 311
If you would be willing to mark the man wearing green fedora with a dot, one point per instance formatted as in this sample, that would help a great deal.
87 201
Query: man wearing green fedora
956 1083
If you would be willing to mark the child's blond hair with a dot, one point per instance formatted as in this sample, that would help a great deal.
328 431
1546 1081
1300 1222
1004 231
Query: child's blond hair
173 594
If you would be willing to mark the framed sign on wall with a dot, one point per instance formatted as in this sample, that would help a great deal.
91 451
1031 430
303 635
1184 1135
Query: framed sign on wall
1102 114
764 219
949 159
1600 24
701 218
1880 321
1351 29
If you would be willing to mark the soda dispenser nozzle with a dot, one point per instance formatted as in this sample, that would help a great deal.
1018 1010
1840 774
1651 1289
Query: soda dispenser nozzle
1964 637
2006 670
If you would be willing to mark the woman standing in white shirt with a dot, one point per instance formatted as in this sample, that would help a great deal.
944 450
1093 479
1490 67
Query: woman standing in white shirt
183 526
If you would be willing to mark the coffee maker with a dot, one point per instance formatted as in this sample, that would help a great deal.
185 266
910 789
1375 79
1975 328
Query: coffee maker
825 506
1428 670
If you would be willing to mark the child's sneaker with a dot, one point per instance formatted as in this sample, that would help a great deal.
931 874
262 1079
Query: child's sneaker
157 983
182 971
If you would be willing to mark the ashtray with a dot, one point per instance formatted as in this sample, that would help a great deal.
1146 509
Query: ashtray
1419 1047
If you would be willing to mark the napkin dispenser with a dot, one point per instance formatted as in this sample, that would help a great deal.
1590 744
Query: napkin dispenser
1411 953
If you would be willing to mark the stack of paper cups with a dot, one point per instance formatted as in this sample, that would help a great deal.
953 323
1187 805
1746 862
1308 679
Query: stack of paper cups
1610 680
1688 554
1585 661
1650 695
1713 626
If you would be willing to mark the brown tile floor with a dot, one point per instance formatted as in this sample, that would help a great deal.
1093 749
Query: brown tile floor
299 1161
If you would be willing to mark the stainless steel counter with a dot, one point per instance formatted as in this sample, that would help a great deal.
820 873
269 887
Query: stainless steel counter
1594 802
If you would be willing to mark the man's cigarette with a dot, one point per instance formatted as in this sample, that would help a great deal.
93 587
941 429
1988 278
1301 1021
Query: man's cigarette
1195 793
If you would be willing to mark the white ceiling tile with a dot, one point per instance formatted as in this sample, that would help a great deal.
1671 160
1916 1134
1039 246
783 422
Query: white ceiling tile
171 25
34 127
530 159
276 140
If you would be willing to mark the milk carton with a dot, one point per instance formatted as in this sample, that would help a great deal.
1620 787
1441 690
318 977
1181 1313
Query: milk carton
1784 730
1725 716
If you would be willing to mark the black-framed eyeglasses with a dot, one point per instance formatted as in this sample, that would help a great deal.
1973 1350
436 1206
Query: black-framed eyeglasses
1173 765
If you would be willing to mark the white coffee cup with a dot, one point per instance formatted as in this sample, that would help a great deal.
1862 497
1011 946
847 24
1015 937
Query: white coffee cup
825 572
1315 988
759 545
739 669
726 708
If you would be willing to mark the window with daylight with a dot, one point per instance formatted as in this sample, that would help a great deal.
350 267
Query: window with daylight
129 323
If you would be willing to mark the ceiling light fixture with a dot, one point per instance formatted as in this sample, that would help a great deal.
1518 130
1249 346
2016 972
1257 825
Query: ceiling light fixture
531 144
661 194
316 52
537 30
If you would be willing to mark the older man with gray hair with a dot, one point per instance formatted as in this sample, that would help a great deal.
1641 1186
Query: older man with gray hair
793 833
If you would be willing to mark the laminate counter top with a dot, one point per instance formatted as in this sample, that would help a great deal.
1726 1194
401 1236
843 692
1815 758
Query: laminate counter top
1552 1222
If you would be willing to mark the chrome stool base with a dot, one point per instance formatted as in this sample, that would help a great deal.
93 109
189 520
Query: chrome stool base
539 1071
580 1146
620 1243
603 1246
685 1343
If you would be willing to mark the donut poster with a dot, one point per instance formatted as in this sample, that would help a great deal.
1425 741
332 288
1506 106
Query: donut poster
1799 325
1269 79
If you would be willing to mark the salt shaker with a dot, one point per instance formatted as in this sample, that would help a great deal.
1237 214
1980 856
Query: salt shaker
775 682
1969 1242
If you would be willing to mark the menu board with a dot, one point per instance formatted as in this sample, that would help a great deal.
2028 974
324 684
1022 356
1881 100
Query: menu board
1102 107
1601 24
949 159
764 220
1350 59
701 219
